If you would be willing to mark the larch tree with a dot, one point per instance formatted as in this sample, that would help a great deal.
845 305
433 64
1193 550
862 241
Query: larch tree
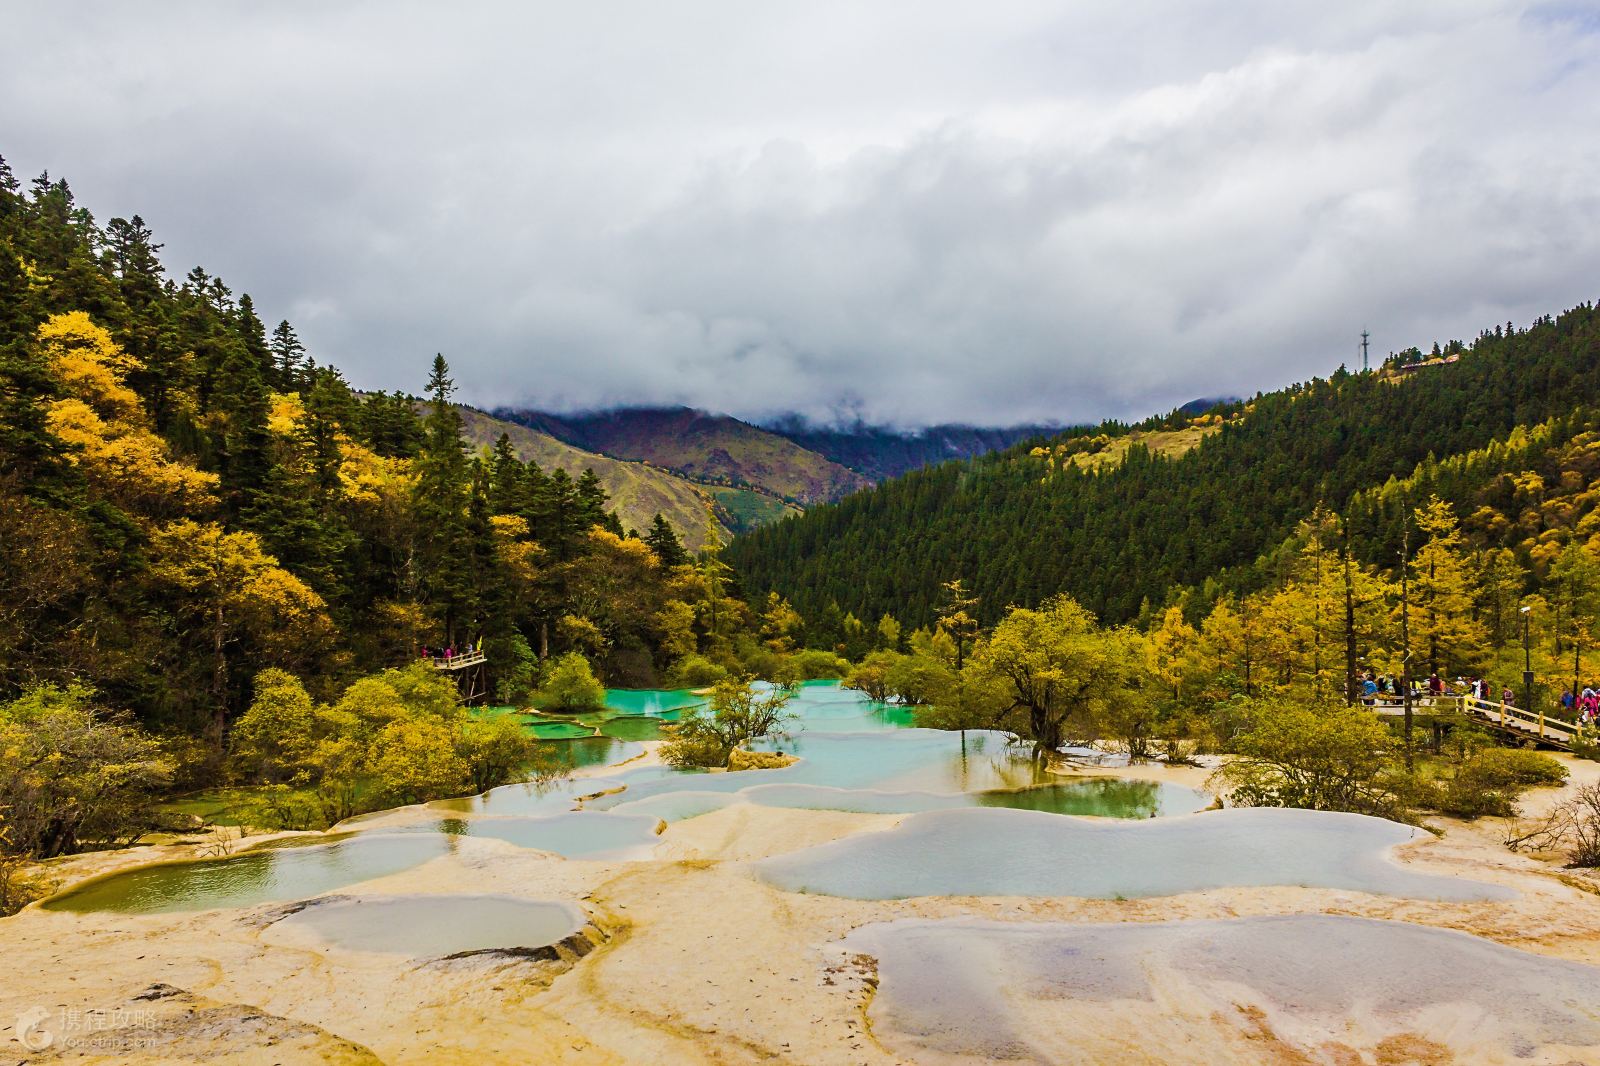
230 593
1443 623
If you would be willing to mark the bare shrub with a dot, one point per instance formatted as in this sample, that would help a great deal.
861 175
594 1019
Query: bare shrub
1573 827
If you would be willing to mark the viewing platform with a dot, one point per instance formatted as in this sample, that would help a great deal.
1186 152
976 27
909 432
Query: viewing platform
474 657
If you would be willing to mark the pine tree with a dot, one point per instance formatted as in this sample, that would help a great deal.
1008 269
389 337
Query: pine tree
663 540
289 363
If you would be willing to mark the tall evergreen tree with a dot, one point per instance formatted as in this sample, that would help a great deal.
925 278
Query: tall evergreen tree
663 540
288 356
445 558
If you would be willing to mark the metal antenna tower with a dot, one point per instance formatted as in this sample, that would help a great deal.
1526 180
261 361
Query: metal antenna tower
1364 336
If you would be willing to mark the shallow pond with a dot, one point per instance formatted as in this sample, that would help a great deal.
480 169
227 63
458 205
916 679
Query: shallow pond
1099 797
260 875
1026 853
573 835
856 755
430 926
966 990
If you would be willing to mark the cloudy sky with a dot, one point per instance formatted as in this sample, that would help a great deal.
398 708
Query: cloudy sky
911 212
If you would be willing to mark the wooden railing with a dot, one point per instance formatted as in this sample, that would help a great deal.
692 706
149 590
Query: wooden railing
1535 724
1504 716
458 662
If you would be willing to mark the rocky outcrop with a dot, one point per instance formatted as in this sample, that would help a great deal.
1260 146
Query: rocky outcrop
740 759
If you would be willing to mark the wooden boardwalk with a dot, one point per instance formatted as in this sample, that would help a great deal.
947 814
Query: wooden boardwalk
1502 718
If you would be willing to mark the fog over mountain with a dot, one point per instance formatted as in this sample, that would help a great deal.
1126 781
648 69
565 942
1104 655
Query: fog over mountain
987 214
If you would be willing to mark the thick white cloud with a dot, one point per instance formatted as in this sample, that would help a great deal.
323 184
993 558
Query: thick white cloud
929 212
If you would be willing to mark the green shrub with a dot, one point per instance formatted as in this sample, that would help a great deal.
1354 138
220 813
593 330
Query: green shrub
815 665
75 775
736 713
919 678
695 671
571 685
1318 756
1490 781
872 675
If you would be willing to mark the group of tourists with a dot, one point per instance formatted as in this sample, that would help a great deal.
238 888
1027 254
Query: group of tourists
449 653
1386 688
1586 704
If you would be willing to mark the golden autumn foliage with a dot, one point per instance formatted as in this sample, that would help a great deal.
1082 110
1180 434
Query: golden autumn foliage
285 413
90 365
229 589
105 424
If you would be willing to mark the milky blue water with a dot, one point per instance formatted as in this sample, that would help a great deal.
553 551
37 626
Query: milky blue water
983 820
967 990
433 926
1027 853
856 755
573 835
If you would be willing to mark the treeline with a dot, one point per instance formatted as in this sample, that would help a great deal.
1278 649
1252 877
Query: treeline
1121 538
188 499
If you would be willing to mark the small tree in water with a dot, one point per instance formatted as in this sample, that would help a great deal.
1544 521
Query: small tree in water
736 714
1042 667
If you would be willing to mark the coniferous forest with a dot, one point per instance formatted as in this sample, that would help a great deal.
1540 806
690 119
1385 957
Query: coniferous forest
188 497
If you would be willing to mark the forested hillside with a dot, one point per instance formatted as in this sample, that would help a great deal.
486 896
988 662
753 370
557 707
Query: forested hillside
638 490
1026 524
188 499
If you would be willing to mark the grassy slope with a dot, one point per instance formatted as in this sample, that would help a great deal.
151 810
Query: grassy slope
747 508
717 448
638 490
1169 442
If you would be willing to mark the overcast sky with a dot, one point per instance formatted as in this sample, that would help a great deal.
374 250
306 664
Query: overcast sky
916 212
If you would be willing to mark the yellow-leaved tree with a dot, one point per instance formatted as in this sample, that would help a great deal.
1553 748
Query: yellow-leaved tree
1444 627
1047 666
1175 651
107 426
229 592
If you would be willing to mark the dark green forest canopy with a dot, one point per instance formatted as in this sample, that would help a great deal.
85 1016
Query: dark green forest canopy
1126 536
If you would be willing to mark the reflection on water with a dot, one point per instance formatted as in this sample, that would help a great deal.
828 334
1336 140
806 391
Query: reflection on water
901 771
1099 797
262 875
431 926
965 990
855 755
1025 853
592 751
575 834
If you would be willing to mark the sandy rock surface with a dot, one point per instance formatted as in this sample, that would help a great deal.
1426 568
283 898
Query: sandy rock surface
697 962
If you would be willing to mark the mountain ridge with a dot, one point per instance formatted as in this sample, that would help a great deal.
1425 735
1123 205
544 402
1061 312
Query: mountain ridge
824 464
714 449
